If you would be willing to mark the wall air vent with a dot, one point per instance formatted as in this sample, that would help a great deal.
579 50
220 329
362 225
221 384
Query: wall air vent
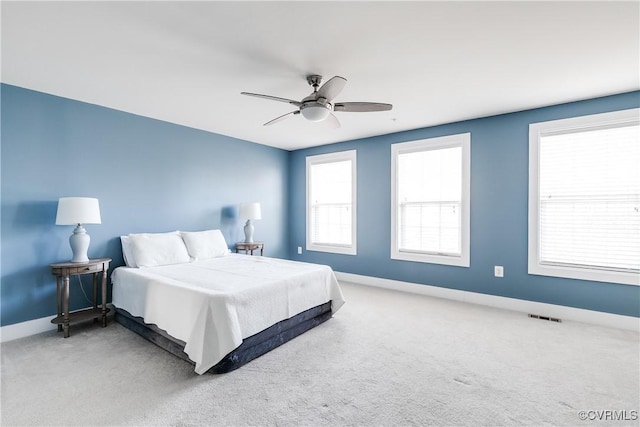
551 319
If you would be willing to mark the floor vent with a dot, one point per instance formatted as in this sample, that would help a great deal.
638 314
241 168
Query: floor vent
551 319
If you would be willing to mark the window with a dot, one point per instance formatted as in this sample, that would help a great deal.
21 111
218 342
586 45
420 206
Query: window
430 200
584 197
331 203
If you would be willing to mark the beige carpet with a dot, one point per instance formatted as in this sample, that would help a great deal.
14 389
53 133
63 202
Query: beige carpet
386 358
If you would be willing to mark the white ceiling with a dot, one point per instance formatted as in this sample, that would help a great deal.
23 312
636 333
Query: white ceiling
436 62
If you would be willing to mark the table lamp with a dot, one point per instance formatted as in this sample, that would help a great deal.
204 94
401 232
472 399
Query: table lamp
78 211
249 211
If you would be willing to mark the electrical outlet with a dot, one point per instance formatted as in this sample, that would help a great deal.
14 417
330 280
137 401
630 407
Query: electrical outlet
299 250
498 271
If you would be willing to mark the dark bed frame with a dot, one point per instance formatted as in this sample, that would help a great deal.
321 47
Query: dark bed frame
251 347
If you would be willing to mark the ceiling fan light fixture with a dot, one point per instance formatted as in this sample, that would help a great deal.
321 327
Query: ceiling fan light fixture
315 112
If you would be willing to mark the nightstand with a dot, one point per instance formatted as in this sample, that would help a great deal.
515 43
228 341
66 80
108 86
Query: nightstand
250 247
62 271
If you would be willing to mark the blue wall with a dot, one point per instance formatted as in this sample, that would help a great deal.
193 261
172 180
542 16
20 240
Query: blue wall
153 176
149 175
499 192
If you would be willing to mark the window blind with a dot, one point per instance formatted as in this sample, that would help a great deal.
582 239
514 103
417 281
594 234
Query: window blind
589 198
429 200
330 203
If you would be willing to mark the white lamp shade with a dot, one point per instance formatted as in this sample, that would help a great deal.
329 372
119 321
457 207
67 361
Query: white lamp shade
78 210
250 211
315 113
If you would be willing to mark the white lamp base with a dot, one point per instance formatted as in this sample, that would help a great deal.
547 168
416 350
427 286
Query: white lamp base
248 232
79 242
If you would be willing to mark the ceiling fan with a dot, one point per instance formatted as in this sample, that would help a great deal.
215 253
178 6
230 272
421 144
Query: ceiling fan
319 106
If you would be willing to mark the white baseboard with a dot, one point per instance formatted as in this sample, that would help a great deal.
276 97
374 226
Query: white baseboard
25 329
32 327
550 310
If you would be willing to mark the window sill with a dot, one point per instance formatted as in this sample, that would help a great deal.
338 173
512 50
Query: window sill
456 261
342 250
584 274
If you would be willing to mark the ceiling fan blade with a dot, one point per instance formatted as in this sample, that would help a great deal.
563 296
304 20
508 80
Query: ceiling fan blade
331 88
361 106
282 117
273 98
331 121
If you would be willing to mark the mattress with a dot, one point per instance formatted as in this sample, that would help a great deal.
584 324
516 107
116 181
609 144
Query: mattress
212 305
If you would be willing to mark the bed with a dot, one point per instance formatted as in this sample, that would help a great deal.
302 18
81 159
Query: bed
185 292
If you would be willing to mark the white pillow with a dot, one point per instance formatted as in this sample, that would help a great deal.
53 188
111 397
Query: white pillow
127 252
205 244
152 249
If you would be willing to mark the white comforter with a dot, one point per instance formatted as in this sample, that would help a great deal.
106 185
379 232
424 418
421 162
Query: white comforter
213 304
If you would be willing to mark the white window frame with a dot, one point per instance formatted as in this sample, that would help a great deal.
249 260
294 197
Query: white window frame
340 156
575 124
459 140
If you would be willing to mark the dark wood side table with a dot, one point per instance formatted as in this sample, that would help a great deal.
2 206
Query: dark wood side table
62 271
250 247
